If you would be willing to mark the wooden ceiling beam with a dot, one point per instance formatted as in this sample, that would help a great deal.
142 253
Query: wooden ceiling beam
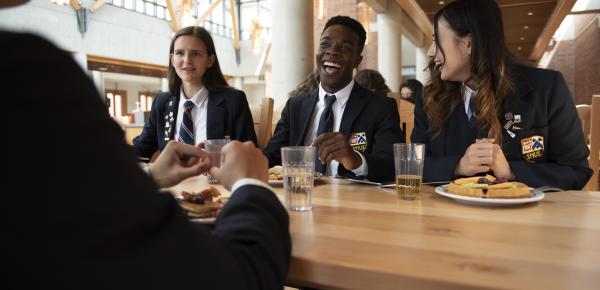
379 6
207 12
75 4
97 5
563 8
418 16
174 22
129 63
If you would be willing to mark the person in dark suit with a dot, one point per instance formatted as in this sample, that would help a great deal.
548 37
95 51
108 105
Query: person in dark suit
79 213
484 112
217 111
410 89
353 128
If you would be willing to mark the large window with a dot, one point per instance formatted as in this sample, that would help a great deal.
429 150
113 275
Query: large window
155 8
253 16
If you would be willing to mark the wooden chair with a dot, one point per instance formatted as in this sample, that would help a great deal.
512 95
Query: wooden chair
132 132
584 115
264 131
407 117
594 183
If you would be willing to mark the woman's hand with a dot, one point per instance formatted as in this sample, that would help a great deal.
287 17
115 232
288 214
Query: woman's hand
478 158
500 165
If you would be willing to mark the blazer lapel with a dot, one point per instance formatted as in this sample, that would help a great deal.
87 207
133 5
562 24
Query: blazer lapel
170 116
215 119
306 111
356 103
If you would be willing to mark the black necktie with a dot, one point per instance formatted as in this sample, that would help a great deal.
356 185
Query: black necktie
325 125
186 131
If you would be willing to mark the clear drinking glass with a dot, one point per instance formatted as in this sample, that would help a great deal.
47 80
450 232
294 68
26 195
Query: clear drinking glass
214 147
298 164
408 162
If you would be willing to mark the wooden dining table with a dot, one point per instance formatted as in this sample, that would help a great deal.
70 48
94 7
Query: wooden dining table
363 237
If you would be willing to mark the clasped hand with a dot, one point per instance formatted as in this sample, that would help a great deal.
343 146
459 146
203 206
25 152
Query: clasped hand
484 156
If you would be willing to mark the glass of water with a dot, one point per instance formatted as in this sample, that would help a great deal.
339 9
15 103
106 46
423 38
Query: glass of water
214 147
298 164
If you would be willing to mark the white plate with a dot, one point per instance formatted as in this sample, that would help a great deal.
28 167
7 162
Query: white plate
280 181
443 190
275 181
204 220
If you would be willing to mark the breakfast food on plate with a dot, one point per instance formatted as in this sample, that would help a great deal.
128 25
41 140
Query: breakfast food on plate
276 173
489 187
204 204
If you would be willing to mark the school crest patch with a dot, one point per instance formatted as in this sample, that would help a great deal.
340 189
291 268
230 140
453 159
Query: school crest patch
532 147
358 141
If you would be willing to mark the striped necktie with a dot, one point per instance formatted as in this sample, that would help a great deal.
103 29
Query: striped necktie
186 132
325 125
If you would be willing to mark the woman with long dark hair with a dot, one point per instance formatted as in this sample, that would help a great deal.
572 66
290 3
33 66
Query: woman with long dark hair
200 105
483 112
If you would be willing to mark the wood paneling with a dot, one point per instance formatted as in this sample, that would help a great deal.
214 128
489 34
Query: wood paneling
515 16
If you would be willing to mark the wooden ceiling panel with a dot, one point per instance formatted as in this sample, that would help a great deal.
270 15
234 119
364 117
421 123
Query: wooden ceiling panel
515 15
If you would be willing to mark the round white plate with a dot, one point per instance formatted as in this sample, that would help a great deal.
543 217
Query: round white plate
275 181
204 220
443 190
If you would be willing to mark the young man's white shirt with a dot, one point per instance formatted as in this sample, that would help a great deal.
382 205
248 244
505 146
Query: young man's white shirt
338 107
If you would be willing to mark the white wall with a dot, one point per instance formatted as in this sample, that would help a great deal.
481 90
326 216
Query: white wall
409 52
115 32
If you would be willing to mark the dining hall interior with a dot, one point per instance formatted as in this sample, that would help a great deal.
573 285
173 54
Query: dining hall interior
358 233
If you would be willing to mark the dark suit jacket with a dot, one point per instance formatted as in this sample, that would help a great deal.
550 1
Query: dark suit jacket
228 115
79 213
365 112
545 108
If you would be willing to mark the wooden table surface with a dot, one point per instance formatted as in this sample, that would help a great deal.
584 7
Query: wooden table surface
363 237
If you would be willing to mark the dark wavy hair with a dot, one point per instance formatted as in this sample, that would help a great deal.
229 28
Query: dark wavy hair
415 86
353 25
373 81
213 79
490 62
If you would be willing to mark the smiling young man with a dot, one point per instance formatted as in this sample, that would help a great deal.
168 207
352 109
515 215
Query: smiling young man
353 128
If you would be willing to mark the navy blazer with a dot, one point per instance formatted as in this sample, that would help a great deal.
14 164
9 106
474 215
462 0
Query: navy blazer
93 219
228 116
545 145
367 115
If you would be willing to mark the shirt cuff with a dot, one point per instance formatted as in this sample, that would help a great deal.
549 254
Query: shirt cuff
249 181
147 170
363 169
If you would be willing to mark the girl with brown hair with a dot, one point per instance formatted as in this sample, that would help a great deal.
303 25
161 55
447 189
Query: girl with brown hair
199 105
483 112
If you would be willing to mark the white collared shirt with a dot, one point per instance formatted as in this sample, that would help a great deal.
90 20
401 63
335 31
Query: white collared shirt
338 107
199 113
469 93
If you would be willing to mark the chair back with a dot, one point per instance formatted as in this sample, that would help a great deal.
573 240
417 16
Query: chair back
406 110
264 131
594 183
132 132
584 111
